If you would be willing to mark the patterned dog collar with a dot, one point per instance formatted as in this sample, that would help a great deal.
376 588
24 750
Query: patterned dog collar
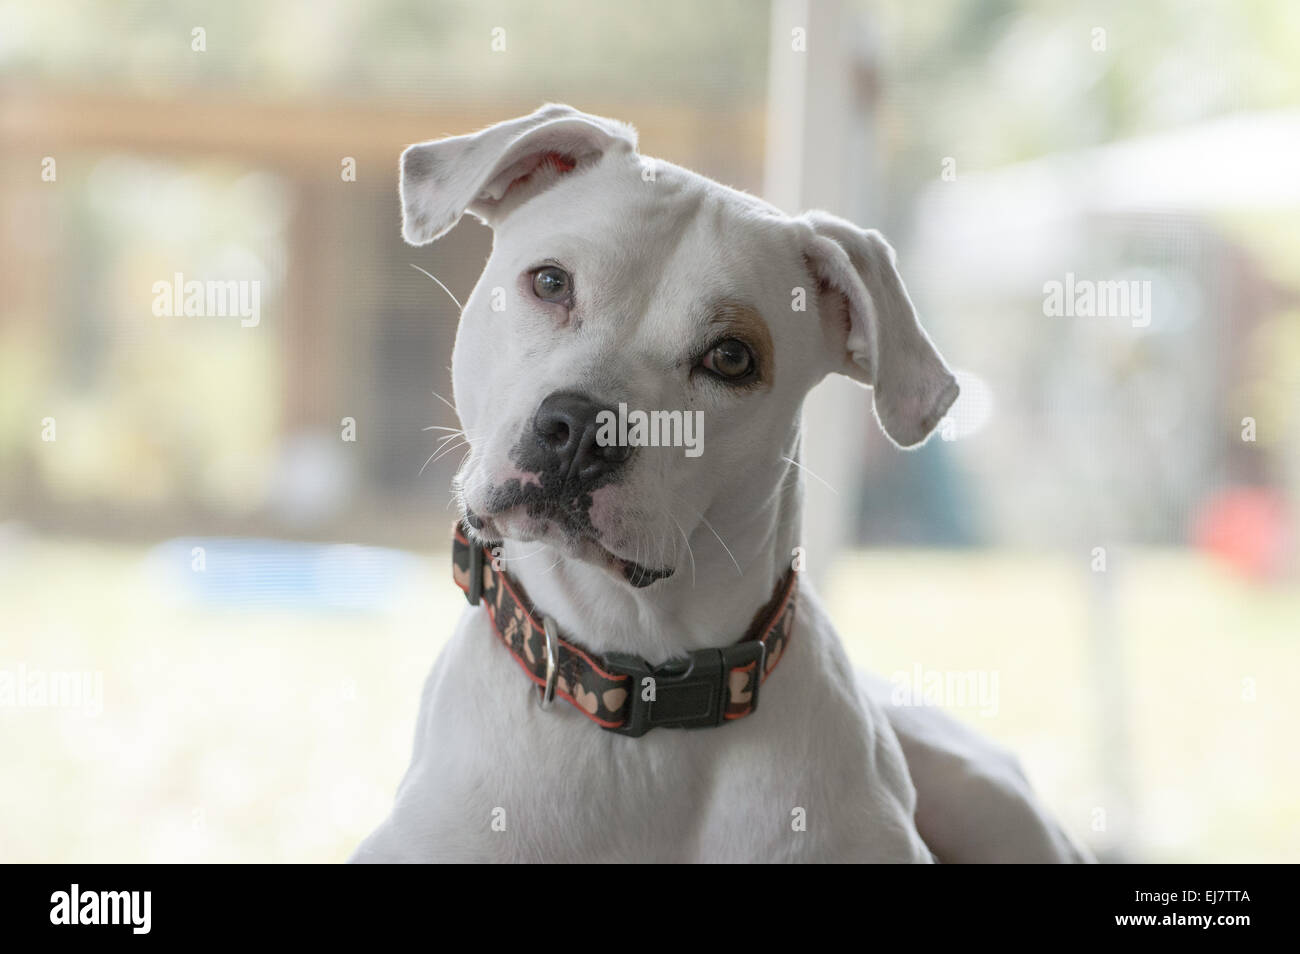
618 691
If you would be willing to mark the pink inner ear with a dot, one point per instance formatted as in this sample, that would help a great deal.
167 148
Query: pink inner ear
553 161
560 162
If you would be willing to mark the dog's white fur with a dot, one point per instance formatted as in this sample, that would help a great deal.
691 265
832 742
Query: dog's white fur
652 247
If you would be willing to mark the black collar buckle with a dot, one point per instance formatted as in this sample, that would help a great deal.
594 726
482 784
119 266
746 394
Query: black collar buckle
690 692
475 591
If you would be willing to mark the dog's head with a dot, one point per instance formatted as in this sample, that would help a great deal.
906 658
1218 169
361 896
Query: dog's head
629 303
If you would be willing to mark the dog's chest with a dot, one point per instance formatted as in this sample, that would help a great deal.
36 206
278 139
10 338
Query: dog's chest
496 778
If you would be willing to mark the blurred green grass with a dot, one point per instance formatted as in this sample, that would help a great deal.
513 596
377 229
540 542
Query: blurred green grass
264 735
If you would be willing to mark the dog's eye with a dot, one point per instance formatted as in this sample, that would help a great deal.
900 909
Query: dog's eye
730 359
552 284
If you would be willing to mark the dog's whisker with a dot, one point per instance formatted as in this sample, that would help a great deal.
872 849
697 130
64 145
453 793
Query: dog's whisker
458 485
690 551
705 521
446 402
558 557
444 451
505 559
459 306
790 460
438 453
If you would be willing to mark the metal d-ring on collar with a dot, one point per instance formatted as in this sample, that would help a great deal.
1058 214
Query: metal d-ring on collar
552 662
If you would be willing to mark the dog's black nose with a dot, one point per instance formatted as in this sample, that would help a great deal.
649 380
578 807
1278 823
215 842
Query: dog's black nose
567 425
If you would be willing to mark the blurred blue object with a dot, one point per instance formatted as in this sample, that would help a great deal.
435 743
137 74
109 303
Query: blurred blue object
261 573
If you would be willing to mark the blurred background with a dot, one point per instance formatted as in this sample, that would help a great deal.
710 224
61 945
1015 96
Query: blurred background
223 543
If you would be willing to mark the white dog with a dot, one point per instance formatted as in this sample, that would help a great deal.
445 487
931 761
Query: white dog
652 589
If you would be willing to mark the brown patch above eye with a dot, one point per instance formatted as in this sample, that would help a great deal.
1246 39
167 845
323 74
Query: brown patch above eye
733 319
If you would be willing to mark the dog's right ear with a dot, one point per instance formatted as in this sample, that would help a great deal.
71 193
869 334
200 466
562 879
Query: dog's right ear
876 334
488 173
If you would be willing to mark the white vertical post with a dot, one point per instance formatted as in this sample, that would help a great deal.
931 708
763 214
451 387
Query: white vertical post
820 155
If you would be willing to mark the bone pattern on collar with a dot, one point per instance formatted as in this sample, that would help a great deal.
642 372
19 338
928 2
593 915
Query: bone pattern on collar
585 681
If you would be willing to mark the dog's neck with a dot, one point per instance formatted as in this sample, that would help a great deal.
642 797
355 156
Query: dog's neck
742 548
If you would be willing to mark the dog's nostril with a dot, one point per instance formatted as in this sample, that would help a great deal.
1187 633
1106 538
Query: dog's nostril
614 453
567 426
555 433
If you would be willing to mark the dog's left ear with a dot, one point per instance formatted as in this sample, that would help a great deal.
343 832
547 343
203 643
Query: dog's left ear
872 328
488 173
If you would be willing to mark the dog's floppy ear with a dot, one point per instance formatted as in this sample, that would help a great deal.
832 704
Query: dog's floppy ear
488 172
874 329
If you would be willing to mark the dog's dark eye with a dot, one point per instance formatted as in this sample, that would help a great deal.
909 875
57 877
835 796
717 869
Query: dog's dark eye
552 284
730 359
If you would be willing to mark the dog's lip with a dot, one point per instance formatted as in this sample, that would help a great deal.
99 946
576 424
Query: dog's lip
586 547
637 574
591 550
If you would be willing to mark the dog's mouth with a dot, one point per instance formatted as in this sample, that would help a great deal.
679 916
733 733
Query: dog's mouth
634 573
576 537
